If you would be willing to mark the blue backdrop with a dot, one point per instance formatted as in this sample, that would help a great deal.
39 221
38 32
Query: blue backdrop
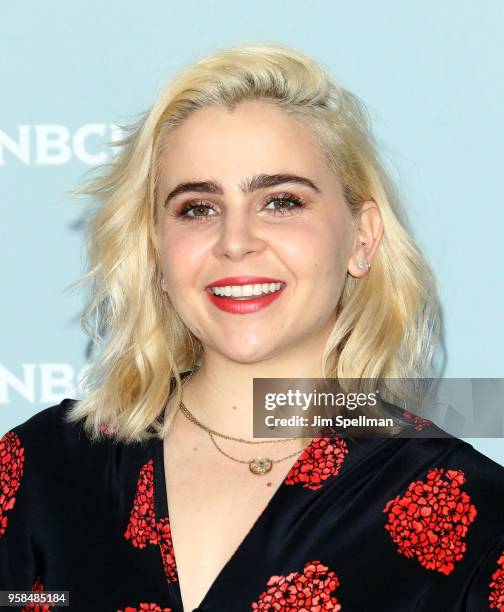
429 72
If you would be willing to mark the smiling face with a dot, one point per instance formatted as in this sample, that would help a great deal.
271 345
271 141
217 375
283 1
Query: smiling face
282 229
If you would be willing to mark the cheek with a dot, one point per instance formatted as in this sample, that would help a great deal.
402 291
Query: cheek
297 240
313 252
181 256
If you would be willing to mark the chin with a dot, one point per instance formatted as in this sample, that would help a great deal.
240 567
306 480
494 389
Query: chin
246 353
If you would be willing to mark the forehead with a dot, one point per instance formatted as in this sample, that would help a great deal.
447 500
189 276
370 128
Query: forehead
254 137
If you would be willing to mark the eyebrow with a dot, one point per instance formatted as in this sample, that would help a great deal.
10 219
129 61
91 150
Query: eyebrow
259 181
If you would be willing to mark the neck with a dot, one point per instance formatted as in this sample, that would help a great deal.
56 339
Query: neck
220 392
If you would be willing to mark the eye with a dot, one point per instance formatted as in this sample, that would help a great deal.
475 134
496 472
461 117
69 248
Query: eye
195 210
288 204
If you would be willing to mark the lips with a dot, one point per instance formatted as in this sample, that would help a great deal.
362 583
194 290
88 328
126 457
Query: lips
244 306
233 306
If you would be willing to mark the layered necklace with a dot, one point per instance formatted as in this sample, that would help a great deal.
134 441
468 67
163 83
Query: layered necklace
258 465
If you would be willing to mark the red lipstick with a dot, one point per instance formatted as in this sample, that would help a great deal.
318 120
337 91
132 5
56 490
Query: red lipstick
243 306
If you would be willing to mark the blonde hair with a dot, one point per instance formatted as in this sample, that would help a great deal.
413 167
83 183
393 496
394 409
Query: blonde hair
388 321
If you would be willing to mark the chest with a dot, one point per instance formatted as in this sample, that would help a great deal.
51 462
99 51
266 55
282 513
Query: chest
213 503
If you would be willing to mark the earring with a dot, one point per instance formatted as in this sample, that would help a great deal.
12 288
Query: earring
363 264
162 281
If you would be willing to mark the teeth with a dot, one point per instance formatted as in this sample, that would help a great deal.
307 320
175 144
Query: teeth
246 291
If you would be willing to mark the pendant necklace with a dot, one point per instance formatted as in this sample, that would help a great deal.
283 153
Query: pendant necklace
258 465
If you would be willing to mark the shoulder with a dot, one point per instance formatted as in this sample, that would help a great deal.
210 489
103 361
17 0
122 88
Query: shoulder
429 443
48 430
440 444
46 419
434 448
46 448
475 461
483 480
480 476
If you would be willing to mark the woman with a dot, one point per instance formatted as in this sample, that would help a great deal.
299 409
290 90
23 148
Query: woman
247 229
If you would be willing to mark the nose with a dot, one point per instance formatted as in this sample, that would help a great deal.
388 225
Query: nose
238 236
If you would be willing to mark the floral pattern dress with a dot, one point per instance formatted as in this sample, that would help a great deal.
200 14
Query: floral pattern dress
356 526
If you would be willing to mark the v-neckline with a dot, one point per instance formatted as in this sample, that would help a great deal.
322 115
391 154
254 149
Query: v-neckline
161 510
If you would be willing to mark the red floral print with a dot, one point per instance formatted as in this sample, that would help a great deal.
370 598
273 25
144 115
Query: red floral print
144 529
37 587
12 459
310 591
496 597
320 460
432 519
166 546
146 606
141 528
419 422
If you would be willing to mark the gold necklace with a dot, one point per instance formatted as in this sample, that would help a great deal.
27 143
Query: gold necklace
258 465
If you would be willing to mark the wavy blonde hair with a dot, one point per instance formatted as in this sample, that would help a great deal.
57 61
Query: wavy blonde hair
388 322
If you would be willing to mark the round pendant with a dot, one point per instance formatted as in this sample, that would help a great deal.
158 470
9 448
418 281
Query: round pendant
260 465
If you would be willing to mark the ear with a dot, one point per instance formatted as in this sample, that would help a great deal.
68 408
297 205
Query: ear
369 232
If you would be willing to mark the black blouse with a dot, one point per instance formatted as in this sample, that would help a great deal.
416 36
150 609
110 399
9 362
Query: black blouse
410 524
